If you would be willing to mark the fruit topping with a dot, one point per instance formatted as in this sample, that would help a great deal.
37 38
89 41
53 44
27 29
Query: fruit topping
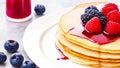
107 21
109 7
28 64
16 60
114 15
11 46
39 9
85 18
3 57
93 25
112 28
90 8
95 13
103 21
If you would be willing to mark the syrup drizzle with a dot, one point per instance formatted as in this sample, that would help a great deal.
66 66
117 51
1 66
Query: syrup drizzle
100 38
63 57
97 38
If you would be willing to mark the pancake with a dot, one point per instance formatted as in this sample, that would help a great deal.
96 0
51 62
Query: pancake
87 51
81 50
88 61
72 19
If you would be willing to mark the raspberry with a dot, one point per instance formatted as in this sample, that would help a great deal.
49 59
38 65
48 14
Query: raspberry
119 28
109 7
112 28
114 16
90 8
85 17
93 25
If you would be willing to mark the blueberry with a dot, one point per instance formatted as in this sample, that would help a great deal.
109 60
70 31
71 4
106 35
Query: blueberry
16 60
96 13
39 9
85 17
3 57
28 64
11 46
90 8
103 20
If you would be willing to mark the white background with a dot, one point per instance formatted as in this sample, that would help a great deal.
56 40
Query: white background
12 30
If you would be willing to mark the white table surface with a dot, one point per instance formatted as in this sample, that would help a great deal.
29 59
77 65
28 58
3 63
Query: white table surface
12 30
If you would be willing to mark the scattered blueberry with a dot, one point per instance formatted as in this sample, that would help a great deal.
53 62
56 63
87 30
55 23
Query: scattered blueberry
28 64
11 46
90 8
3 57
39 9
85 17
16 60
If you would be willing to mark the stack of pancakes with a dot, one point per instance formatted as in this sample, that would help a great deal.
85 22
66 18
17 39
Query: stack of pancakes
81 50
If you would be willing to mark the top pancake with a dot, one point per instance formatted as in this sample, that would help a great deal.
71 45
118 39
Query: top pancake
72 19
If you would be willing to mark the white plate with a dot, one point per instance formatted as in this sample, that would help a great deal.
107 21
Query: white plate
39 43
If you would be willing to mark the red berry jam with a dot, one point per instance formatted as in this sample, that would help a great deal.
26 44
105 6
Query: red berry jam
100 38
18 8
63 57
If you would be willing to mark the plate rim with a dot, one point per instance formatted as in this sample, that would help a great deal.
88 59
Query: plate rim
41 21
38 34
